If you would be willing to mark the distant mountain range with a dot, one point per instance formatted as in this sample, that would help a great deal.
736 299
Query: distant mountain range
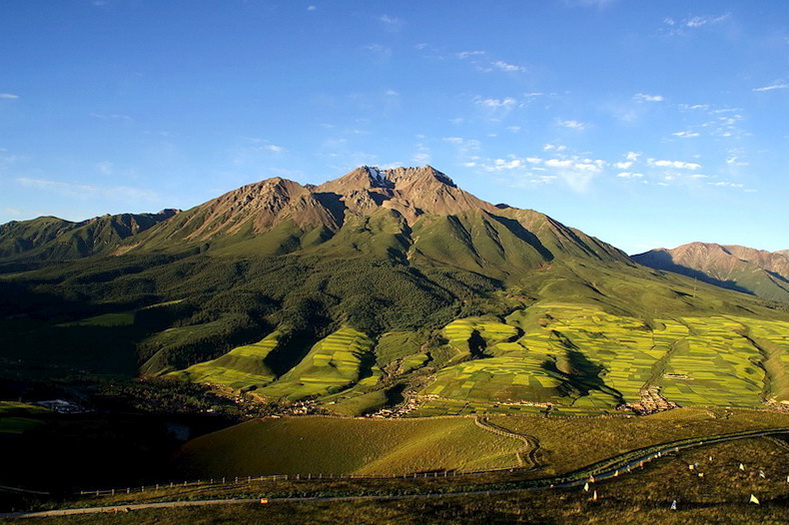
761 273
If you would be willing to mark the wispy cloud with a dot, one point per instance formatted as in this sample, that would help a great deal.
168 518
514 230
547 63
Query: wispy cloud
575 171
504 66
699 21
778 84
117 116
682 26
381 51
686 134
463 55
643 97
8 96
105 167
571 124
312 8
726 184
675 164
391 23
496 103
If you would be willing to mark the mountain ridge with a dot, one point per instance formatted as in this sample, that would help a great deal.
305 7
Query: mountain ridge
748 270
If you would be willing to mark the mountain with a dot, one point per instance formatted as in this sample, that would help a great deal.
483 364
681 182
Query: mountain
761 273
57 239
381 286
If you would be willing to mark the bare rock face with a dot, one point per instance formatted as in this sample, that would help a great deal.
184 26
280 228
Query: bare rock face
410 191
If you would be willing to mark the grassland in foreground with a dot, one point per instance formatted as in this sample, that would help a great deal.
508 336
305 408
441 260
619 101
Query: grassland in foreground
721 495
320 445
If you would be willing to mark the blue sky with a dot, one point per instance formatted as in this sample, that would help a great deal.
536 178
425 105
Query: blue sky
645 124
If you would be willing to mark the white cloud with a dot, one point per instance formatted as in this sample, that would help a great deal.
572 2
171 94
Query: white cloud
724 184
623 165
105 167
496 103
391 23
8 96
643 97
681 27
686 134
311 8
572 124
466 54
391 93
632 156
504 66
778 84
629 175
421 158
381 51
553 147
698 21
677 164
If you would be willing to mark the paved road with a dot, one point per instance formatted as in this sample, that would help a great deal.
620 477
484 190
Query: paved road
616 469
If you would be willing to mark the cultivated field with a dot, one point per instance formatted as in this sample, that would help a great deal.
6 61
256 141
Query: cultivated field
243 368
340 360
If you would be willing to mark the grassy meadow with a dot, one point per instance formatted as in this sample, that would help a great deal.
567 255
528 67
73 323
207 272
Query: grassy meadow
327 446
323 445
721 495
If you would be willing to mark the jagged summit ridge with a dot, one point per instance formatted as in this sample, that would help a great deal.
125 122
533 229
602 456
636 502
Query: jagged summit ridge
402 214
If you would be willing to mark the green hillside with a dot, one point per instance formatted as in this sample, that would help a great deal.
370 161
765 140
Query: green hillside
343 446
386 288
243 368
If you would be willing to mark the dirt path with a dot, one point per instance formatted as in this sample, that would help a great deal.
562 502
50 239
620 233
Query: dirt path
528 456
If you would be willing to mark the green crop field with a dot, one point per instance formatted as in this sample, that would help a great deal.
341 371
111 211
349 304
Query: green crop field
584 359
342 446
333 364
461 334
243 368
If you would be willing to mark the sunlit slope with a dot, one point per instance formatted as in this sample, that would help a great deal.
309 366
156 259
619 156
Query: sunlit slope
582 357
342 446
47 238
761 273
242 368
333 364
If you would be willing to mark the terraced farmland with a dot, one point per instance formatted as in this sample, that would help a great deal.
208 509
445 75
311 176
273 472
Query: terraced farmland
586 359
473 335
243 368
333 364
577 359
715 366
